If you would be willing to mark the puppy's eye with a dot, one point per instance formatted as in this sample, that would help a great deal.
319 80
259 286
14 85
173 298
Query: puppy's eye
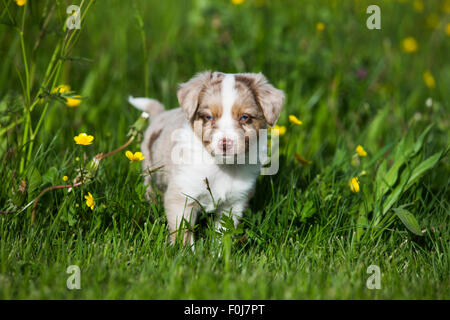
209 118
244 118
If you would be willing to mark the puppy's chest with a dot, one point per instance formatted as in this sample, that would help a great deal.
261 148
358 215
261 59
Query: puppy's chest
225 187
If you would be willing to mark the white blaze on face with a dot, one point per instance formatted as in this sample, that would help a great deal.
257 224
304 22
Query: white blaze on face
225 125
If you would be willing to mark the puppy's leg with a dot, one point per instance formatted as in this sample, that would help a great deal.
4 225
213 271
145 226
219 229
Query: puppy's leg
181 215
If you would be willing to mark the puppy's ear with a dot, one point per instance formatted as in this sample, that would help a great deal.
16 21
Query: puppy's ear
188 93
269 98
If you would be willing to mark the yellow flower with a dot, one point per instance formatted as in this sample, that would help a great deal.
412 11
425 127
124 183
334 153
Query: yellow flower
281 130
293 119
137 156
418 5
447 29
429 79
21 2
77 159
61 88
446 6
70 102
360 151
354 184
320 26
237 2
83 139
65 178
73 102
90 202
409 45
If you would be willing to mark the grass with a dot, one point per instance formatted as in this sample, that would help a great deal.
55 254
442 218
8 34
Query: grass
306 235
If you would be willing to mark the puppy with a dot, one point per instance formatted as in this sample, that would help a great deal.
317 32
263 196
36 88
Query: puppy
192 153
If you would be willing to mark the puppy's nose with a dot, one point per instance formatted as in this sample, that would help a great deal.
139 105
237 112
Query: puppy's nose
225 144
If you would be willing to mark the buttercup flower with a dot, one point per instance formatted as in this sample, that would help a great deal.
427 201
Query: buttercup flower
320 26
409 45
73 102
447 29
418 5
293 119
90 202
83 139
281 130
429 79
360 151
77 159
354 184
237 2
70 102
61 88
21 2
446 6
65 178
137 156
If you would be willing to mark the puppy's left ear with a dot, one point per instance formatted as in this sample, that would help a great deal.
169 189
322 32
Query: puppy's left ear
270 99
188 93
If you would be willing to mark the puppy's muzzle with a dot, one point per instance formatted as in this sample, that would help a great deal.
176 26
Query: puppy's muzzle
226 145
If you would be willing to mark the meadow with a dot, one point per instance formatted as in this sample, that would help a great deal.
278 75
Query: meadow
363 177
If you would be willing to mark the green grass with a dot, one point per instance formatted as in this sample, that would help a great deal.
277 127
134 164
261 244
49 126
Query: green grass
305 234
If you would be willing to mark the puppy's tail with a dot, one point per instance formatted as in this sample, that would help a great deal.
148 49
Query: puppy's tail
151 106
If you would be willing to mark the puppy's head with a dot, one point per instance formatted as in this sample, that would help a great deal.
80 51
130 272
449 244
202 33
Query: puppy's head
225 110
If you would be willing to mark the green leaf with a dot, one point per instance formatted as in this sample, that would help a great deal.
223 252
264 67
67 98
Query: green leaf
400 157
423 167
308 210
397 191
408 220
419 142
380 185
404 151
34 181
51 176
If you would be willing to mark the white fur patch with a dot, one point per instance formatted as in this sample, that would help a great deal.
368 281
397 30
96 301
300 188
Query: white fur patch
229 93
225 125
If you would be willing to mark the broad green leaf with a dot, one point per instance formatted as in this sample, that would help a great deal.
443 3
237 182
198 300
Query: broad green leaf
405 150
408 220
400 157
409 176
380 185
396 192
308 210
419 142
34 181
51 176
423 167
